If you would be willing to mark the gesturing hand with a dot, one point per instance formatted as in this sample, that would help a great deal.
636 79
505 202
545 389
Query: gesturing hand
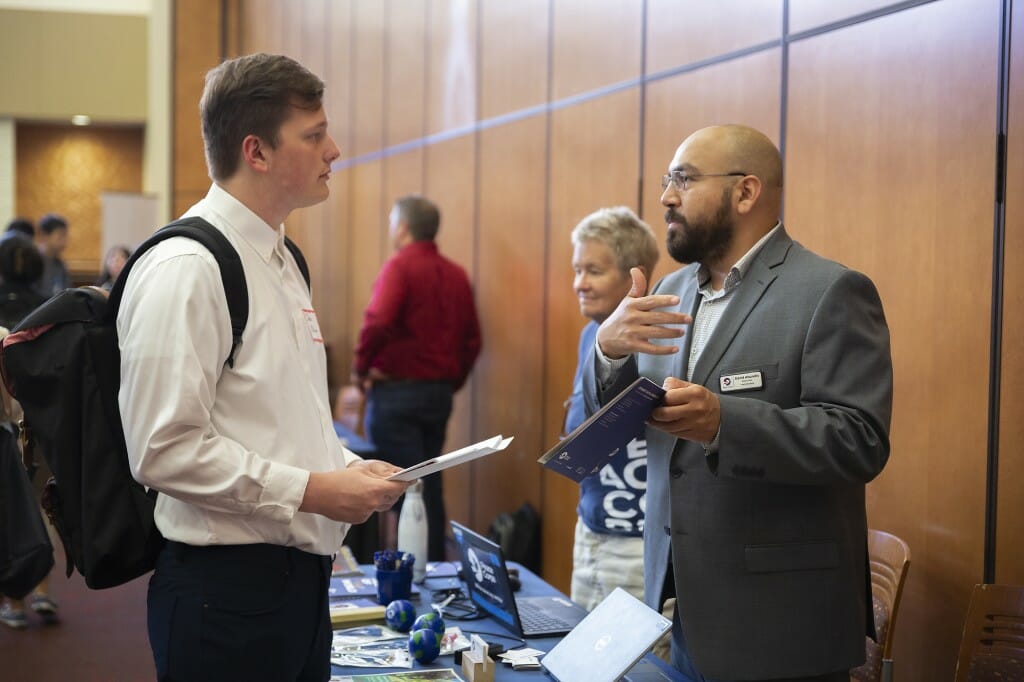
637 320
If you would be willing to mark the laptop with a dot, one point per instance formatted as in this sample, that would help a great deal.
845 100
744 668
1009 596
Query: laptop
609 642
489 586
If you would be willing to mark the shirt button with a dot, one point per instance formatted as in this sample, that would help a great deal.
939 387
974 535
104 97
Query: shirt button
668 531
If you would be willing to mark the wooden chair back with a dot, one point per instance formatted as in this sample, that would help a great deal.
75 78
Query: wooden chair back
992 645
889 559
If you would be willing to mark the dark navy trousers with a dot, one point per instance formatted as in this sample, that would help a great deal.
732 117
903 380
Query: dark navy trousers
406 420
240 612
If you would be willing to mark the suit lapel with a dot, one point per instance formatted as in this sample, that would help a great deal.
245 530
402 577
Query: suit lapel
755 283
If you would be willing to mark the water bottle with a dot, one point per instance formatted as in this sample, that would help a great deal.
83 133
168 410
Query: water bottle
412 529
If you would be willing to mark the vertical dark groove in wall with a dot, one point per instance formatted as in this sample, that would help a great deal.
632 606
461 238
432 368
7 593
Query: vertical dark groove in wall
998 256
474 413
424 126
641 156
383 236
784 98
224 28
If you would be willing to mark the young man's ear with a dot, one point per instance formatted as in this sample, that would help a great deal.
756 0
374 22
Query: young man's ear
253 153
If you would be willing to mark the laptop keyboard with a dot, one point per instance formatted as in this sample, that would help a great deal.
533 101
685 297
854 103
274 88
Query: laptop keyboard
535 619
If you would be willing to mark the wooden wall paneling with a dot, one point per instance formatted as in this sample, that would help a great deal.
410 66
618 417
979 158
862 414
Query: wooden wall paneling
808 14
510 296
259 22
338 78
197 49
745 90
513 55
452 71
450 182
65 169
595 43
304 38
334 280
889 169
184 199
590 169
406 71
403 174
1010 516
368 77
232 22
368 211
333 305
683 33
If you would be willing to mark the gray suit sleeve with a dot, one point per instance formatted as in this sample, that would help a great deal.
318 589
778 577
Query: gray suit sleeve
838 430
594 396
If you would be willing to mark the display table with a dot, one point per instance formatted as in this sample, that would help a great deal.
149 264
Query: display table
443 577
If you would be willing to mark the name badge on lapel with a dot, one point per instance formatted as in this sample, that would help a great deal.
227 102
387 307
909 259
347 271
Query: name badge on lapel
743 381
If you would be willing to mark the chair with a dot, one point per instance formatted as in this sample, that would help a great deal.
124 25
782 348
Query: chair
889 558
992 646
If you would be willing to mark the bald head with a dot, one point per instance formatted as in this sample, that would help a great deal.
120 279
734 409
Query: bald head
737 148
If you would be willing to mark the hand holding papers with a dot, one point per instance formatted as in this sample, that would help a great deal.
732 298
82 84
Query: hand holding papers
589 447
466 454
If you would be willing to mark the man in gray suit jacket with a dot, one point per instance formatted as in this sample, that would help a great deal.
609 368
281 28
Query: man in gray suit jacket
777 412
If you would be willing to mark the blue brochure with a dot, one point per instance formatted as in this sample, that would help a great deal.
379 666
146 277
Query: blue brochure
589 447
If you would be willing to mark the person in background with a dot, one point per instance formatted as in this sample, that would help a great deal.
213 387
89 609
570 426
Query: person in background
348 417
256 491
608 551
19 227
776 414
113 262
52 239
419 340
20 267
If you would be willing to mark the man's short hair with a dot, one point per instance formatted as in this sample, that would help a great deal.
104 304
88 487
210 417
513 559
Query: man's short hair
630 239
20 261
251 95
21 226
51 222
421 215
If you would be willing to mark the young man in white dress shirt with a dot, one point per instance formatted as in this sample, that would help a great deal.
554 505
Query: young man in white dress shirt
256 491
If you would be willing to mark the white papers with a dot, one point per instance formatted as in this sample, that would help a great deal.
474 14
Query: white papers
470 452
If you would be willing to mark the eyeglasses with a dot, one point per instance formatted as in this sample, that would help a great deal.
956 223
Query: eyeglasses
680 181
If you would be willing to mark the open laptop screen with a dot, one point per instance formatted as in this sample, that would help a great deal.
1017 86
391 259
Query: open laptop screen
486 577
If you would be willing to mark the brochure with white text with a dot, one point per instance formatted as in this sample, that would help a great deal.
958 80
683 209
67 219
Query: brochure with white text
588 448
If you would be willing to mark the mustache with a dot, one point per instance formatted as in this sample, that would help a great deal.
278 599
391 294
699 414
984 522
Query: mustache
672 217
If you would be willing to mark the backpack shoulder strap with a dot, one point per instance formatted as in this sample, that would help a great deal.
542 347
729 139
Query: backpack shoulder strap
231 273
300 260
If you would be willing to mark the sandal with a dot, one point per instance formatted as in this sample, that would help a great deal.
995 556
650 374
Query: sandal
13 618
45 607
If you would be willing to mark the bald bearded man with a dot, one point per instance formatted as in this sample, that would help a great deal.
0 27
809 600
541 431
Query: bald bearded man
779 396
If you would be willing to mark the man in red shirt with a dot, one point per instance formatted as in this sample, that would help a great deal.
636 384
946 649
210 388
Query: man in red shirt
419 341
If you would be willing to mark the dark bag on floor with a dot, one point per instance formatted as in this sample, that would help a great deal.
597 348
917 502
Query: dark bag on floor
63 365
518 534
26 555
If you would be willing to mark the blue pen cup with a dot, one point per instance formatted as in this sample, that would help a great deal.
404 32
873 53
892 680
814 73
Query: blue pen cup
392 585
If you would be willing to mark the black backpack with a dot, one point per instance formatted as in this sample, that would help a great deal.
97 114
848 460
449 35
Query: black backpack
63 365
518 533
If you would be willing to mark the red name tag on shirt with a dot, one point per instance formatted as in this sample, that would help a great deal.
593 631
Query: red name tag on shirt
313 325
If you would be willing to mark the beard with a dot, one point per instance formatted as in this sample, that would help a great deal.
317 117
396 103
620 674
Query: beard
701 240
